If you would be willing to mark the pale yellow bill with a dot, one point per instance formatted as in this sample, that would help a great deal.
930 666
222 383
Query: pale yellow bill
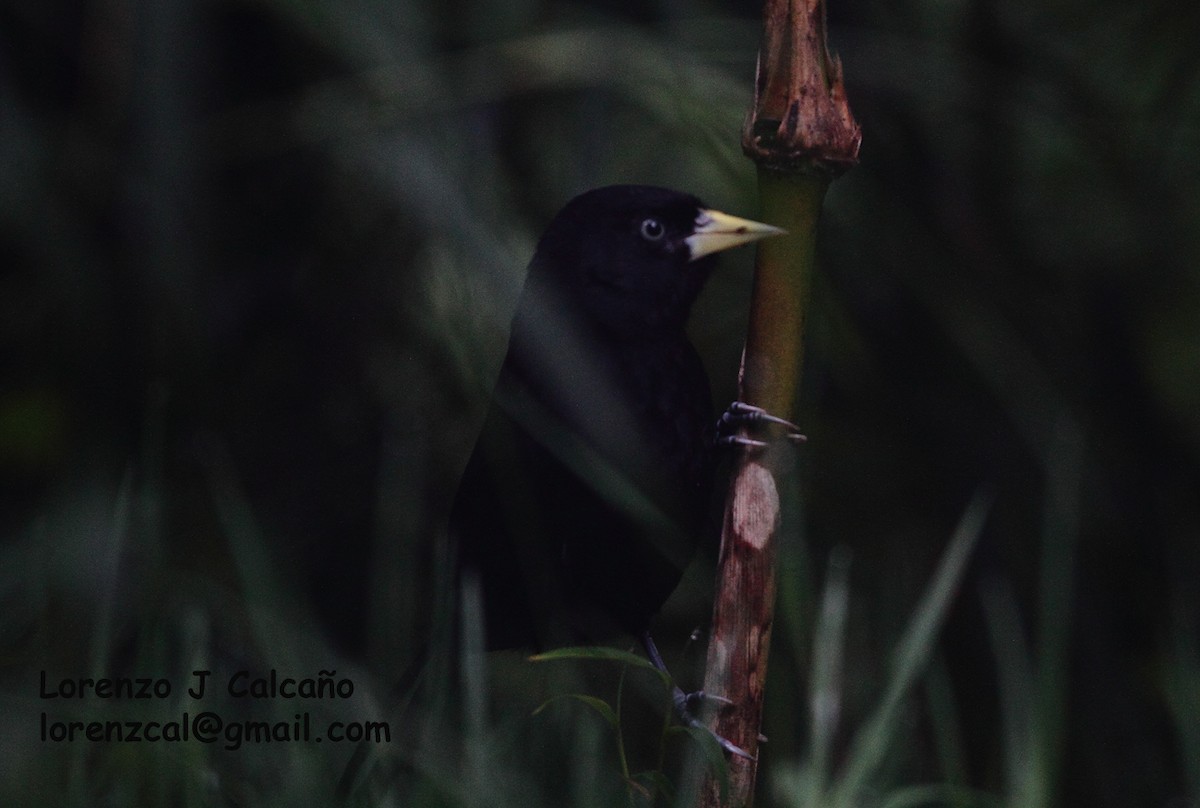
716 231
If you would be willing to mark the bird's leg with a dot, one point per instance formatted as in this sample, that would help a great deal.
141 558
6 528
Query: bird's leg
741 414
686 702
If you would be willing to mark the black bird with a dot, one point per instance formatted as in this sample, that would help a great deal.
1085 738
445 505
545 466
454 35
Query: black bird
588 490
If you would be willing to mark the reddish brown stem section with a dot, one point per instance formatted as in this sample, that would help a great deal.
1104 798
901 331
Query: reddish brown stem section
800 120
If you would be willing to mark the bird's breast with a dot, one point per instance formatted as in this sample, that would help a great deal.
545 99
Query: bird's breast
667 409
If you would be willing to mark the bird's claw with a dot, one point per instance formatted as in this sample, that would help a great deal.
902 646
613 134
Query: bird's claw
698 698
740 414
739 440
732 748
685 702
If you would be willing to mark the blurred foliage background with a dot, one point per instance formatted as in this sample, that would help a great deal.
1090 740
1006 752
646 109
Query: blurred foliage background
259 258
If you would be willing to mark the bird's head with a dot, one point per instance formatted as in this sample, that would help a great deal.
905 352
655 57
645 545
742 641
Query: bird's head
633 258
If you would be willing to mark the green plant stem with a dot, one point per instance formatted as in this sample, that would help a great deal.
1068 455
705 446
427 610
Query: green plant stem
782 279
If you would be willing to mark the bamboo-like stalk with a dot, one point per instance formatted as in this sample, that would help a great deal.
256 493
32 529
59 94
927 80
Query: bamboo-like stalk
801 134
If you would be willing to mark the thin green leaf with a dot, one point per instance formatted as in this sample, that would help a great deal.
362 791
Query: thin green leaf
1015 677
599 705
825 694
602 653
912 653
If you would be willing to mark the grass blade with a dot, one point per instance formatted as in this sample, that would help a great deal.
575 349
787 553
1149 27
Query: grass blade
871 742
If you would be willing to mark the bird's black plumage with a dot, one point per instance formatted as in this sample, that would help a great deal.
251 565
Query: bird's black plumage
588 489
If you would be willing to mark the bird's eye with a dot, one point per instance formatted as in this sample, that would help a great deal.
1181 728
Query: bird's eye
652 229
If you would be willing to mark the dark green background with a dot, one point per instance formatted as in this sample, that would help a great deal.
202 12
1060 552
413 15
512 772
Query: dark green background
258 260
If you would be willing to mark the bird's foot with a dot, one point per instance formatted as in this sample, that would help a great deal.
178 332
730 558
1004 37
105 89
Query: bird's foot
685 703
740 414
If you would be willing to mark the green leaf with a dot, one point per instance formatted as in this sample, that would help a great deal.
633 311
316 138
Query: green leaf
599 705
912 654
602 653
713 753
657 782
